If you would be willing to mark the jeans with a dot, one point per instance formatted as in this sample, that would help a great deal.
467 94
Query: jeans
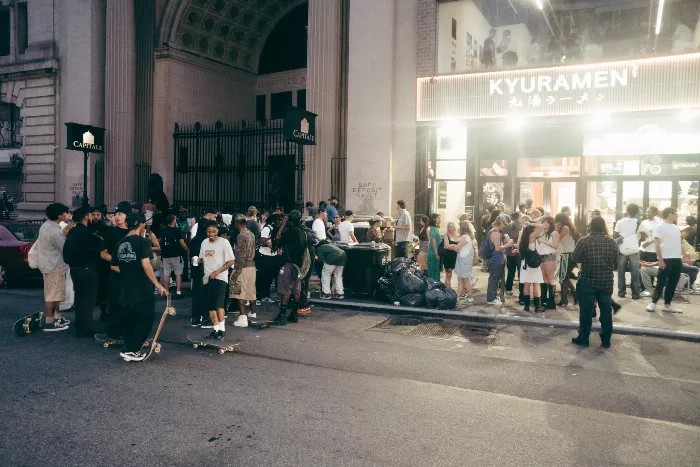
337 273
138 322
633 261
85 283
401 249
692 272
513 264
668 277
587 298
648 273
495 275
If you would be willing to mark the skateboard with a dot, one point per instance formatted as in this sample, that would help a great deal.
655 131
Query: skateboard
153 344
259 325
107 341
28 324
204 342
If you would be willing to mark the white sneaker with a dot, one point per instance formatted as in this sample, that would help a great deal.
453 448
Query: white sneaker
133 356
241 322
645 294
63 321
258 303
651 307
253 315
57 325
496 302
671 309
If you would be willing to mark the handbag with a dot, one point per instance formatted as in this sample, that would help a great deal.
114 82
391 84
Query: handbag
33 256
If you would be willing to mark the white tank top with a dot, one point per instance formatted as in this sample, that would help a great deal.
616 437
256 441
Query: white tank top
542 248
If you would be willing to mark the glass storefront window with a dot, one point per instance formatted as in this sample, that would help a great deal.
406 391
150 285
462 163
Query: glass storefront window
532 191
491 168
563 194
450 170
611 165
452 141
602 196
449 201
550 167
493 34
632 193
492 194
660 194
687 201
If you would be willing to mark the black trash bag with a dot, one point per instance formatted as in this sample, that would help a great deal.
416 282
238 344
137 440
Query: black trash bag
413 299
407 283
433 297
386 288
394 267
431 284
449 302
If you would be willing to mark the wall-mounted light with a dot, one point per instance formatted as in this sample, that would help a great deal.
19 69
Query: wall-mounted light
659 15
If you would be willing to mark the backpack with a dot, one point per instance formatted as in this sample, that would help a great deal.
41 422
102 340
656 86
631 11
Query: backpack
532 258
486 249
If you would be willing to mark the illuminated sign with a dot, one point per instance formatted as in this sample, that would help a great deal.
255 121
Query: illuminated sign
85 138
300 126
646 84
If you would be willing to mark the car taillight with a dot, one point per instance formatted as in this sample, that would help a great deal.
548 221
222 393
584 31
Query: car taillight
25 249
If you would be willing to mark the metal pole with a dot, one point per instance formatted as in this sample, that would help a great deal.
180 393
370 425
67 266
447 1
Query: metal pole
86 202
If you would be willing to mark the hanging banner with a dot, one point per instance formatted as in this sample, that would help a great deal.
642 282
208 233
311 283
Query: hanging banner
300 126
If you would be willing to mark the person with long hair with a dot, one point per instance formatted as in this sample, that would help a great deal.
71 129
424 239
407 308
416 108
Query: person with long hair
449 255
433 245
464 261
423 237
547 245
529 277
567 242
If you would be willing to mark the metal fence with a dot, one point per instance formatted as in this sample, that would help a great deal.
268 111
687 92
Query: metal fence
233 166
142 173
99 182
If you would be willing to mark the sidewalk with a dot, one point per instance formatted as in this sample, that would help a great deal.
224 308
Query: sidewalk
631 319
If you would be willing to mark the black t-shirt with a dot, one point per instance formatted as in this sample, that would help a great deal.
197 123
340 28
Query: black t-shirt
111 236
136 286
294 245
170 242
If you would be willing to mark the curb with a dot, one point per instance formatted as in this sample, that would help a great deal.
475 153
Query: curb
502 319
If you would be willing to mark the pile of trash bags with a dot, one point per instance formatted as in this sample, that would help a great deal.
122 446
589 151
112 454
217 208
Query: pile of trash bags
403 282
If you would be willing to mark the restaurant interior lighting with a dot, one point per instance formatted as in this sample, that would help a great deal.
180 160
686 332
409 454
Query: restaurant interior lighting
659 15
540 5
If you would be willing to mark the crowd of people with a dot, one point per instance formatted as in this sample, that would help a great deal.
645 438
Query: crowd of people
545 250
124 259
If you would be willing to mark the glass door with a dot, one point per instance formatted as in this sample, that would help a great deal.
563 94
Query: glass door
563 194
550 196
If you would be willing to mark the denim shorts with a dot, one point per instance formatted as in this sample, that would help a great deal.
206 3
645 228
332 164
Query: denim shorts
549 257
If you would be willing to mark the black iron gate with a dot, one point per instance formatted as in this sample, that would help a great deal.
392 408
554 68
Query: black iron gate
233 166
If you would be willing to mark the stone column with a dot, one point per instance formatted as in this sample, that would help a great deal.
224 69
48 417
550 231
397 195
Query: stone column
120 102
322 96
370 107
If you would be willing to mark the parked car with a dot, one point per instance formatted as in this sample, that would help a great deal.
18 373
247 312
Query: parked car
15 243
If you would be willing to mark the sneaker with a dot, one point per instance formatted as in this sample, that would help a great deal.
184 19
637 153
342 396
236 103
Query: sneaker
212 335
468 301
220 334
340 297
258 303
616 307
645 294
580 341
304 311
267 300
621 295
694 292
495 302
252 316
207 324
651 307
326 296
57 325
133 356
293 317
241 322
671 309
509 294
63 321
196 322
605 345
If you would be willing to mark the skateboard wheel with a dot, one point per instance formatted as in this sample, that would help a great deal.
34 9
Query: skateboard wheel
105 345
221 351
171 311
157 348
195 345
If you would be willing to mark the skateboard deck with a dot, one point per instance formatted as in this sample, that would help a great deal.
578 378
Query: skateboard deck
200 341
153 344
259 325
28 324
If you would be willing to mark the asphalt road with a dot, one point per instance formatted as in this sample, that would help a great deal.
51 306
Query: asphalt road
333 390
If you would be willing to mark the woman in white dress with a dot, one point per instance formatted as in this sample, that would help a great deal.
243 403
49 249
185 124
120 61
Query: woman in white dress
465 261
547 247
530 277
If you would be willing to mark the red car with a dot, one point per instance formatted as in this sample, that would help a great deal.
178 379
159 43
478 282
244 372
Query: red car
14 268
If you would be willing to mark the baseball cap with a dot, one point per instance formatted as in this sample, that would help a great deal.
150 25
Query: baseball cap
124 207
134 220
80 213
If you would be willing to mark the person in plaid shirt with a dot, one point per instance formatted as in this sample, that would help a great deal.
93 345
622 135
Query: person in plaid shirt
597 254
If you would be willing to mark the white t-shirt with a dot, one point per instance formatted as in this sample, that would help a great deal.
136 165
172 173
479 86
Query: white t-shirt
266 232
319 228
404 235
627 228
467 248
346 228
215 255
647 226
670 236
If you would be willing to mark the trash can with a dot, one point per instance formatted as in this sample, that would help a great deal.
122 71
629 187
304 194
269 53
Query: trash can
364 267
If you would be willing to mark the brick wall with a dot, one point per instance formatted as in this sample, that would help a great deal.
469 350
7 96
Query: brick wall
427 26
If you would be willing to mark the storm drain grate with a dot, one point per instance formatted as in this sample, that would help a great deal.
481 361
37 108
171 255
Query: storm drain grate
393 321
434 330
